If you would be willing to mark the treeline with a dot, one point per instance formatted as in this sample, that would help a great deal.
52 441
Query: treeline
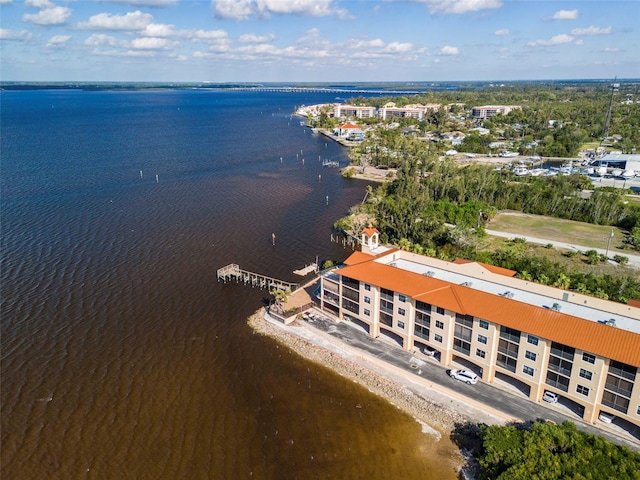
546 451
558 118
418 210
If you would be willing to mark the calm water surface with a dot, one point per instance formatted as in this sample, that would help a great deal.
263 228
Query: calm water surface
122 357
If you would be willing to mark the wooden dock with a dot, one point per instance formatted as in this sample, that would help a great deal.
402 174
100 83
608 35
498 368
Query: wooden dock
234 272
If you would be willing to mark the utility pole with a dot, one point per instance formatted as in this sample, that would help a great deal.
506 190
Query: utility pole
609 243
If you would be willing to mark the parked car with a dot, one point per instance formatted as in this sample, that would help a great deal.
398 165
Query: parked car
469 378
606 417
550 397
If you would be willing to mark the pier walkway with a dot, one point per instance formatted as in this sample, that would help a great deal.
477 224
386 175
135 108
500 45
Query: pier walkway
234 272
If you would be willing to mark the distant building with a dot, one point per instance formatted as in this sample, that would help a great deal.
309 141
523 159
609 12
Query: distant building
350 131
354 111
410 111
480 317
488 111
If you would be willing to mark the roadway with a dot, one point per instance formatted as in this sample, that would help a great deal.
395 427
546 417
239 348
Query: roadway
634 260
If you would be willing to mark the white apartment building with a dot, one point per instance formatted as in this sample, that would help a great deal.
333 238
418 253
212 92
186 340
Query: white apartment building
487 111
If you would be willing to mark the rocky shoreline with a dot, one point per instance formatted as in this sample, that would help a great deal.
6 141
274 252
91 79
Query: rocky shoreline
427 412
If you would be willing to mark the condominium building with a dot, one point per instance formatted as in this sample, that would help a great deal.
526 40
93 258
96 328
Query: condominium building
354 111
410 111
487 111
531 336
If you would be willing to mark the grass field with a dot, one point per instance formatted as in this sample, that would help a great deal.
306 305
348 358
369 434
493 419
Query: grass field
567 231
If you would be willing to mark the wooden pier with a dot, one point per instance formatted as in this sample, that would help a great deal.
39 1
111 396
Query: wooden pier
234 272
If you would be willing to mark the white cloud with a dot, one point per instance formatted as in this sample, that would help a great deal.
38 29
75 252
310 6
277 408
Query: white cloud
244 9
396 47
5 2
153 43
18 35
105 21
158 30
502 31
591 30
363 44
208 35
57 40
252 38
146 3
101 40
39 3
564 15
48 16
611 50
556 40
448 50
459 6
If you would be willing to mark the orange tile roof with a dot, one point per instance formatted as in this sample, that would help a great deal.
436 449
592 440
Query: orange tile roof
491 268
370 231
349 125
603 340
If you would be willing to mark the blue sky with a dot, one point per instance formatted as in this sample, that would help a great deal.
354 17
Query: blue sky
317 40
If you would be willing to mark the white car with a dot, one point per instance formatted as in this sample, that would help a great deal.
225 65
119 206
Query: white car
469 378
550 397
606 417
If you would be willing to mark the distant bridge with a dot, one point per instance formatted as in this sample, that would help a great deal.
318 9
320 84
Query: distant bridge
234 272
327 90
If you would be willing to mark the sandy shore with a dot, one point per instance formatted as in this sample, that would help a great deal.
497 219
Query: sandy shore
425 406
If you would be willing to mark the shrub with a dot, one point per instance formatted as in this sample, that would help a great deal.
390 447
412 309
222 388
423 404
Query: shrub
621 259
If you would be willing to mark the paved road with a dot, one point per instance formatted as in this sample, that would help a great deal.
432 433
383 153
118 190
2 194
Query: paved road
509 402
634 260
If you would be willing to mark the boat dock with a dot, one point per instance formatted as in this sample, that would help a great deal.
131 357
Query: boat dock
234 272
303 272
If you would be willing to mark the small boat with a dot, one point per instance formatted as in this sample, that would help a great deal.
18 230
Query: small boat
616 172
628 174
521 171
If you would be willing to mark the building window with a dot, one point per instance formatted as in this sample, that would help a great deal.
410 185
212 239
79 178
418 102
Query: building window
532 340
367 299
482 339
564 351
560 366
386 294
349 305
439 324
401 311
367 287
424 307
350 282
528 370
483 324
585 374
461 346
401 325
402 298
530 355
622 370
367 312
440 310
386 319
614 401
480 353
638 410
386 307
587 357
421 331
438 338
582 390
510 334
558 381
506 362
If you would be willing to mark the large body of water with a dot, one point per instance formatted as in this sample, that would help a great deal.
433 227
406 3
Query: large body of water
122 357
